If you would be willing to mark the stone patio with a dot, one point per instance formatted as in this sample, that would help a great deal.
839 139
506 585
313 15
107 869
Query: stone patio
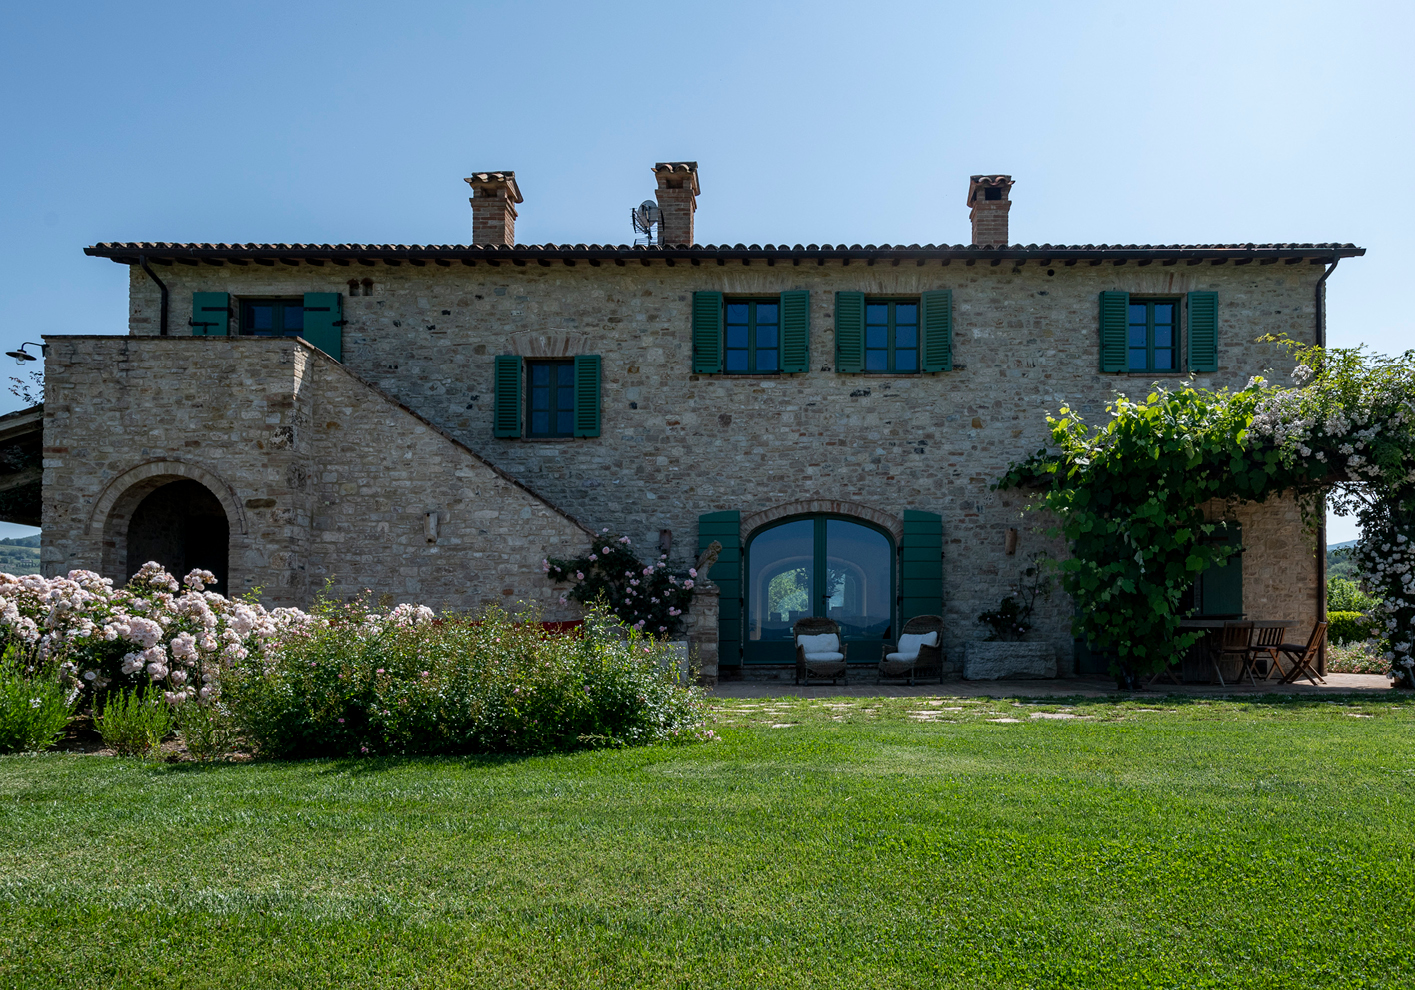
866 687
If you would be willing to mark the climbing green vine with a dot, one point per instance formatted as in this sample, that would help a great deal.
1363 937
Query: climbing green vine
1129 495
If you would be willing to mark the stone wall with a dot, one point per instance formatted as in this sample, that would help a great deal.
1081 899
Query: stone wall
675 445
323 478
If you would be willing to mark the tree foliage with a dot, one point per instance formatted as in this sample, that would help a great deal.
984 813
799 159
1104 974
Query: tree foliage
1129 495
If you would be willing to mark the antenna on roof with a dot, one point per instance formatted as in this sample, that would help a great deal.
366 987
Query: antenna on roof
645 217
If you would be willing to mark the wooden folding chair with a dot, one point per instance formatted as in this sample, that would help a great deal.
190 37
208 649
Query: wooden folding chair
1266 640
1232 642
1304 658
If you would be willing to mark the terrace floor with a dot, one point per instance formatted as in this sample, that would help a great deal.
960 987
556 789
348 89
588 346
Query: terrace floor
865 686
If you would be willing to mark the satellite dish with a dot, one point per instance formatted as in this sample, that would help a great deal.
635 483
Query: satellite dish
644 218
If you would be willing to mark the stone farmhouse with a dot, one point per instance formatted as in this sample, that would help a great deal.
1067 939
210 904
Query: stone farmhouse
431 421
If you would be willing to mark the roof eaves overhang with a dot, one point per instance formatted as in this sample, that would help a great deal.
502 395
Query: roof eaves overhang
419 255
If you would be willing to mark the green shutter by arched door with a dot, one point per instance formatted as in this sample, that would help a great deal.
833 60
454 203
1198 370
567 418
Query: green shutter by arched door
324 323
936 321
587 368
211 314
725 528
796 331
707 332
1203 331
920 565
850 331
506 417
1114 308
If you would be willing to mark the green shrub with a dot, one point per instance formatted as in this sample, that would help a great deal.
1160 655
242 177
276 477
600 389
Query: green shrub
407 684
207 730
34 709
131 724
1348 627
1345 595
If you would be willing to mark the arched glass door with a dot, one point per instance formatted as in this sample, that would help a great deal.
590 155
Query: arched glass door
821 566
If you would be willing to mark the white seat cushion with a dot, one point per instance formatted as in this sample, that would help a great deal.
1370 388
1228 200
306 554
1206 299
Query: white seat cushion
900 657
824 643
909 645
824 657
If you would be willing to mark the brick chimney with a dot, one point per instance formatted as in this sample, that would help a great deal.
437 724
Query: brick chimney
677 200
988 202
494 199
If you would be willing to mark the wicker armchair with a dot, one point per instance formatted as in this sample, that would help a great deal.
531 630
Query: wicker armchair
896 666
820 665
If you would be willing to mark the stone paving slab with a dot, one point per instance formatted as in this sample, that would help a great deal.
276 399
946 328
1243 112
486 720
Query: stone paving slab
1060 687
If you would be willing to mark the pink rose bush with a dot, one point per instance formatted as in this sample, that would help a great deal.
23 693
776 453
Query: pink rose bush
157 630
642 595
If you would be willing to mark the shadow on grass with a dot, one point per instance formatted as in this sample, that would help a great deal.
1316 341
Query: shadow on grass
353 765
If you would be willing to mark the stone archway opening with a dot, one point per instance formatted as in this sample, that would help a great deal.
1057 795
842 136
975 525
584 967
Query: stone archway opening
183 526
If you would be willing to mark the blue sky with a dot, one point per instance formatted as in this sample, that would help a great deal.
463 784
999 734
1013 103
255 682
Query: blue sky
825 122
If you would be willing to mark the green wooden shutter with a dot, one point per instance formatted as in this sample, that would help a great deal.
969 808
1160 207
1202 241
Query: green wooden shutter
725 527
1203 331
506 420
850 331
796 331
211 314
707 332
937 323
1221 585
1115 307
324 323
920 565
587 395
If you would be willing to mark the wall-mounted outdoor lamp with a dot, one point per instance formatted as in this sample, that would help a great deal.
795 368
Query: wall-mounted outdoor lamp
23 356
1010 543
430 526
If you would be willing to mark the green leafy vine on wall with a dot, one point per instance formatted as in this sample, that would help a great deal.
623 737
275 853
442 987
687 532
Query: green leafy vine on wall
1129 495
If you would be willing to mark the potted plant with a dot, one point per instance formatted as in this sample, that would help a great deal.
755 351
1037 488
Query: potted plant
1003 652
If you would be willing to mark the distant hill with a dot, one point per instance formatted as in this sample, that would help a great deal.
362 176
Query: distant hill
19 559
21 541
1341 561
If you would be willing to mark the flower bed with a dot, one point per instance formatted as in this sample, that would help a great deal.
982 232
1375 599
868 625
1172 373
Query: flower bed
344 679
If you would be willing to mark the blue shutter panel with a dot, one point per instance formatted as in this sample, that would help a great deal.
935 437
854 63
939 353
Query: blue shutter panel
506 419
936 321
324 323
1114 308
796 331
725 527
920 565
1203 331
850 331
211 314
707 332
587 395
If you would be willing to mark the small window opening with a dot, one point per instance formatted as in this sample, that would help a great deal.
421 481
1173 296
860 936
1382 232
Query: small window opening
353 287
368 286
992 192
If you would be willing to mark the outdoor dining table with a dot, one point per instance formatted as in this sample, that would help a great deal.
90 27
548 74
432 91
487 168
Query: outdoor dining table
1195 667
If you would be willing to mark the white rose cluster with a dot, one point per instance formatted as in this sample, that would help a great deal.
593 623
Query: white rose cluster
178 635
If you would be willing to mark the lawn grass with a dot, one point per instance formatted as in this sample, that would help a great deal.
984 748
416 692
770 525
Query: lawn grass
852 843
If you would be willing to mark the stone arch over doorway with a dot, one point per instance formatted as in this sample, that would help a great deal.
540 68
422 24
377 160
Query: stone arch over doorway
176 513
892 524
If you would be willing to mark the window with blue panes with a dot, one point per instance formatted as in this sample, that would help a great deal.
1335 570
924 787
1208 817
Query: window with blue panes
550 400
1152 335
753 337
891 335
273 317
